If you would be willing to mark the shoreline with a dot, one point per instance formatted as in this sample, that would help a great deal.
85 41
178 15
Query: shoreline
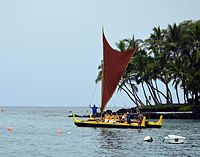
156 115
170 115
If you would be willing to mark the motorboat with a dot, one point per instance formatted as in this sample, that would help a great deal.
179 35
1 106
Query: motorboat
174 139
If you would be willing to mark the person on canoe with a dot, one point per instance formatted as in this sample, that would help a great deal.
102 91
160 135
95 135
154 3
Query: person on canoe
123 118
94 110
140 118
128 118
114 118
106 117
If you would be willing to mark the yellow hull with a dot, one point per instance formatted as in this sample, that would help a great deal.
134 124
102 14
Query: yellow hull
133 125
151 124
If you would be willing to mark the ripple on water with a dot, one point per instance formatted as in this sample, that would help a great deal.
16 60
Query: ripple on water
35 134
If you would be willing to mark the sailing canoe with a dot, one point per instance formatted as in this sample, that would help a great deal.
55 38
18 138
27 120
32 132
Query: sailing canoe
134 125
102 124
114 65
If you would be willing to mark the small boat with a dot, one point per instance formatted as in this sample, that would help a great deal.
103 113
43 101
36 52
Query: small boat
174 139
113 68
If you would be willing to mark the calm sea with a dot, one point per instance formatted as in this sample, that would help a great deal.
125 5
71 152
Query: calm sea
49 132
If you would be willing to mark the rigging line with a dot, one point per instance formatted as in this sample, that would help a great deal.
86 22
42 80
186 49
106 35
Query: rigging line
93 94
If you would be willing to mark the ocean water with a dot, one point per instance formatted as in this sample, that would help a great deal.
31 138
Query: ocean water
49 132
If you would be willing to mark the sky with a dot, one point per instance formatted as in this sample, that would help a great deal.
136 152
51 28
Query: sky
50 49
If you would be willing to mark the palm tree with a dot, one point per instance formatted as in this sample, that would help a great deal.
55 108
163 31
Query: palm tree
157 47
129 77
194 35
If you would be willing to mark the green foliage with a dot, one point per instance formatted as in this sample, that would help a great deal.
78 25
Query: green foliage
185 108
167 108
171 55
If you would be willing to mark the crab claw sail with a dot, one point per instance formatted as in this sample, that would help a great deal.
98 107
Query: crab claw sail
114 65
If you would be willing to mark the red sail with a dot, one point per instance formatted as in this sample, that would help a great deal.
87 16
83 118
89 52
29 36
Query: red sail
114 65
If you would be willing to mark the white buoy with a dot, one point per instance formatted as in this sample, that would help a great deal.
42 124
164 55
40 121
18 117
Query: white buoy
148 139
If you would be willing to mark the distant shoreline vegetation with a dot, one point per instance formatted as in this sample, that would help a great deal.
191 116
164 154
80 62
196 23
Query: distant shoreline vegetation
171 57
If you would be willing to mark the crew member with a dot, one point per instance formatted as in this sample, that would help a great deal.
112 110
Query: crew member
94 110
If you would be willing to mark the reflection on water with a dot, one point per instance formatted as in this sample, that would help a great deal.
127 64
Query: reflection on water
119 142
110 139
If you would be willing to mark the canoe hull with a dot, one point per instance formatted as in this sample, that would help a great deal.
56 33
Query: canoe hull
102 125
134 125
151 124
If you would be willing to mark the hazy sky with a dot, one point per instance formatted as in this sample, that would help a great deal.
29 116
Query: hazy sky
50 49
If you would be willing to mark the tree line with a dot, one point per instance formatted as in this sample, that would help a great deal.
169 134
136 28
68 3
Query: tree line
170 58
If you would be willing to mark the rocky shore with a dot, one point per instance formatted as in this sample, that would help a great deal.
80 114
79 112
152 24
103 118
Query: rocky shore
154 112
